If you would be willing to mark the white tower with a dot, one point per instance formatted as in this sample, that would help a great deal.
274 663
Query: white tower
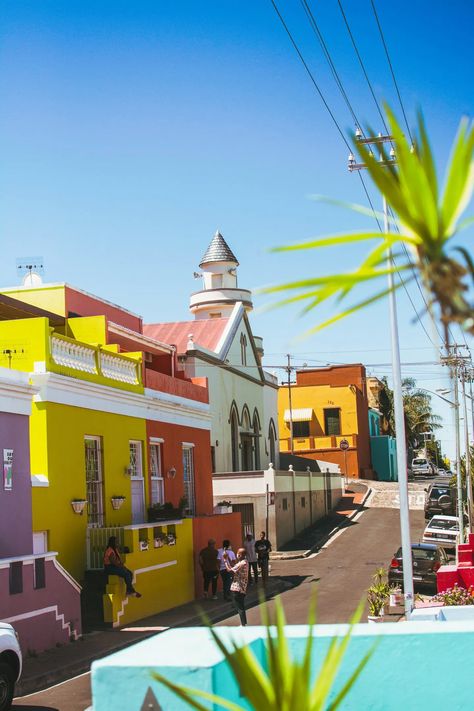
220 292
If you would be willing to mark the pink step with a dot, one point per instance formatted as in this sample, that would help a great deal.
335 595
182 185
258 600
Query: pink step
446 577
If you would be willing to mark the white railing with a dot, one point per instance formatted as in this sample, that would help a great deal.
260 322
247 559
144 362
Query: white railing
73 355
118 369
96 543
88 359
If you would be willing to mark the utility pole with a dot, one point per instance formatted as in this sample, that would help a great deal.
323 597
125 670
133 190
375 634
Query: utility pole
464 376
454 361
288 370
397 386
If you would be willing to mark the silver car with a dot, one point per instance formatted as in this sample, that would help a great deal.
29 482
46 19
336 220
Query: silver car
442 530
10 664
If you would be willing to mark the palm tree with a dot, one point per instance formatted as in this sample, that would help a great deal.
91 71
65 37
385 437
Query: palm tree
419 416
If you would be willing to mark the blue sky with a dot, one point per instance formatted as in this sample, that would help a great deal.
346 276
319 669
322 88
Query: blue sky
129 132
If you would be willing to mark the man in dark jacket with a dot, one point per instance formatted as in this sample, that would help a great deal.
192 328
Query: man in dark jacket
208 560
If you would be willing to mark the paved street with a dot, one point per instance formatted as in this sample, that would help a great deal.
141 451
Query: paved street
341 572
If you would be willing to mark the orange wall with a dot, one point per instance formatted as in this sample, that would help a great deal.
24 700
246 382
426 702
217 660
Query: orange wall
220 527
172 456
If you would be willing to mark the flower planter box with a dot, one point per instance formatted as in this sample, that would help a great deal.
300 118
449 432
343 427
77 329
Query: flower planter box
222 509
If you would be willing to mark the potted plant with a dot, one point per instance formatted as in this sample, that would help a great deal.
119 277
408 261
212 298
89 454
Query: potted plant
158 541
378 595
163 512
223 507
78 505
117 502
143 544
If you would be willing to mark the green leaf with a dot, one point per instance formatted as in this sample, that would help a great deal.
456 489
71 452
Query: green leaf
187 694
341 239
460 178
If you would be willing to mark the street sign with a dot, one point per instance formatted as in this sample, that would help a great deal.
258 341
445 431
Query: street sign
344 444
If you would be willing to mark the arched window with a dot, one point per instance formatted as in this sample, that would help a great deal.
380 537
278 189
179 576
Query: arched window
243 348
256 439
246 441
272 441
234 438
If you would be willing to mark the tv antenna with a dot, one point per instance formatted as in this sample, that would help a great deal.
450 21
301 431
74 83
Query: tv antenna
30 270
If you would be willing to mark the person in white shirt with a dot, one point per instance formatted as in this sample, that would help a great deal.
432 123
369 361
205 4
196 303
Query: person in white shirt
226 575
249 545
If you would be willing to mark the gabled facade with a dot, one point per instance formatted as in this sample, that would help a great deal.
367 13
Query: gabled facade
219 345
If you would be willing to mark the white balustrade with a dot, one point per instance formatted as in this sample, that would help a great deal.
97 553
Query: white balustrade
119 369
73 355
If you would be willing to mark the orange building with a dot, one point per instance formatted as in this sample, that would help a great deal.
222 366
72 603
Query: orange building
328 405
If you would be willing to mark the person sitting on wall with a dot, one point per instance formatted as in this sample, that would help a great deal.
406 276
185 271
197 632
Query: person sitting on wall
113 566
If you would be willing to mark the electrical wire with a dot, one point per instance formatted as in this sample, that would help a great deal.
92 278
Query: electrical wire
362 66
391 69
327 54
310 74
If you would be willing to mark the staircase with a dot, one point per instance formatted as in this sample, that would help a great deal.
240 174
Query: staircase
91 601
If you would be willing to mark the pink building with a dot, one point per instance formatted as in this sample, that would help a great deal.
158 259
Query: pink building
37 596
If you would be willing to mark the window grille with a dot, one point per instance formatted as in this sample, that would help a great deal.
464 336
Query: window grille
188 478
94 483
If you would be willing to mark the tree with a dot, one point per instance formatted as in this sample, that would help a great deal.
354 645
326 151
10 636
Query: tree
419 416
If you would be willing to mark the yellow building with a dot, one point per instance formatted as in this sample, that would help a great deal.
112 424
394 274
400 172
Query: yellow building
328 405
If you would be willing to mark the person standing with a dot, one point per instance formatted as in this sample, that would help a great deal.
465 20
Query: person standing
263 549
249 545
210 567
225 575
113 566
239 584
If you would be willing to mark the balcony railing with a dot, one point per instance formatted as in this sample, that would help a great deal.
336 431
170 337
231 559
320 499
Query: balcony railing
316 443
69 354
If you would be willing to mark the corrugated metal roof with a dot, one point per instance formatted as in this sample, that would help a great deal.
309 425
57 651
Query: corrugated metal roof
205 332
218 251
304 414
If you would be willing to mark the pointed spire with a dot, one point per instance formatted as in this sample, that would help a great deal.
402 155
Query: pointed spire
218 251
150 702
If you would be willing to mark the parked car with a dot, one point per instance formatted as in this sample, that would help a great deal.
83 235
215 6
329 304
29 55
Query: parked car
441 498
442 530
427 559
10 664
420 466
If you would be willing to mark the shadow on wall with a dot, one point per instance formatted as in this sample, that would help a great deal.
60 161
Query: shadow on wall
299 464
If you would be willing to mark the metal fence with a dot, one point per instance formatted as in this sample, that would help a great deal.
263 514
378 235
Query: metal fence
96 543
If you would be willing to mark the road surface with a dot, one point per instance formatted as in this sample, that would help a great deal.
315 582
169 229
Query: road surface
341 573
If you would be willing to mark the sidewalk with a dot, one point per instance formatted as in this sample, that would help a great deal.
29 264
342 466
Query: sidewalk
314 538
65 662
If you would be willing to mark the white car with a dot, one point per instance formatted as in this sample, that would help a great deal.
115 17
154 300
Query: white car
10 664
421 467
442 530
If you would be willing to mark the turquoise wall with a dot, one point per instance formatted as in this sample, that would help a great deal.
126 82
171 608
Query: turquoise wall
403 673
383 450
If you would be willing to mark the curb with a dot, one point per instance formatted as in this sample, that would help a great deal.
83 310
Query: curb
322 542
43 680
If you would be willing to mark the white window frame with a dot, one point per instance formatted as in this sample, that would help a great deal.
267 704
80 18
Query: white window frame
157 486
189 484
100 483
137 477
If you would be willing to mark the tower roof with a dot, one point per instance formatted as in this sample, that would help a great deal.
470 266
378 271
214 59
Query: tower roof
218 251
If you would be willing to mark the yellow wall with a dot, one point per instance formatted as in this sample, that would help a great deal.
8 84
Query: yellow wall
319 398
161 587
50 298
29 338
90 329
57 450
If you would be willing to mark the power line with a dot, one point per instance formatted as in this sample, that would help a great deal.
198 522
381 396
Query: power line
362 65
310 74
391 69
327 54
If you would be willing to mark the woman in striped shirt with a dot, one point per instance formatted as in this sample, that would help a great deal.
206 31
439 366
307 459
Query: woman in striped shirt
239 583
